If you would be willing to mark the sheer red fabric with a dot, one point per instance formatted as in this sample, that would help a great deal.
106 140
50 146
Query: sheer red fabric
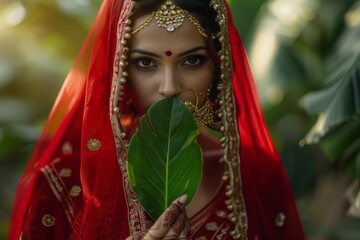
266 186
72 191
80 113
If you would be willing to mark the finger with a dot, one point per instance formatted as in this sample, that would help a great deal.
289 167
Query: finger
167 219
177 227
186 231
137 236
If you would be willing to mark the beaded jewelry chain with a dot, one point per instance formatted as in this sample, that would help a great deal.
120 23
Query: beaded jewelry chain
203 115
171 17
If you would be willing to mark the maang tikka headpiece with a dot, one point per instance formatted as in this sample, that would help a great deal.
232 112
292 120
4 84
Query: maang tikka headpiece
171 17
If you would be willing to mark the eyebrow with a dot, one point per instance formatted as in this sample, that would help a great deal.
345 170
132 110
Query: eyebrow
192 50
158 56
144 53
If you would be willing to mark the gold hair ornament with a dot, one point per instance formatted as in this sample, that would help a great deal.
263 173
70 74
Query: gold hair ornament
171 17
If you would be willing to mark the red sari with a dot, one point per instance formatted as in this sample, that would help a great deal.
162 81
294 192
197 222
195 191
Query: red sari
76 186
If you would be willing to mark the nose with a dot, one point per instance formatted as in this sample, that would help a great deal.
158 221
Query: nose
169 86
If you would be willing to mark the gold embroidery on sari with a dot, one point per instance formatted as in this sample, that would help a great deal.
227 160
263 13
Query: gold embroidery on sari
48 220
94 145
67 149
201 238
221 214
137 217
65 172
223 233
75 191
280 219
230 140
58 188
211 226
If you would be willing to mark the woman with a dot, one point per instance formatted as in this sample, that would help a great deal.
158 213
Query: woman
138 52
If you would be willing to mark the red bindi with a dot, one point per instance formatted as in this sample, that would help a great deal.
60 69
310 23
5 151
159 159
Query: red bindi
168 53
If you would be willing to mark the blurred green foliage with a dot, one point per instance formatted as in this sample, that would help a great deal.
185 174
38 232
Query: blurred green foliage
39 41
338 103
295 47
298 47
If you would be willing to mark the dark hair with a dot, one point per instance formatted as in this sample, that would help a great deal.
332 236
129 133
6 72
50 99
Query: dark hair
204 13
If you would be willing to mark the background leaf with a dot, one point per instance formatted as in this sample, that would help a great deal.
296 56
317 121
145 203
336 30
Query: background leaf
338 103
164 158
337 129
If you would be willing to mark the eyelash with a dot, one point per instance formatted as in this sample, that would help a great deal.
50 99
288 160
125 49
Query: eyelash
140 60
200 59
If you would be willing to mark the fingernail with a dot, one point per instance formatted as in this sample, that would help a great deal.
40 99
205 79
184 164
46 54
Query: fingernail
183 199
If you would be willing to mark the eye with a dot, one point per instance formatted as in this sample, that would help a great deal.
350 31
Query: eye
145 63
194 61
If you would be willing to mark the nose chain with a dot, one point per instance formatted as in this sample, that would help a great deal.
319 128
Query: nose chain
203 115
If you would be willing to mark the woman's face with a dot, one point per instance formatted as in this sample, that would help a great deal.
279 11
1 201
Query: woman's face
163 64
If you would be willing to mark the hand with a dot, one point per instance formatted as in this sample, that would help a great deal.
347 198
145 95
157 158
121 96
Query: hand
172 224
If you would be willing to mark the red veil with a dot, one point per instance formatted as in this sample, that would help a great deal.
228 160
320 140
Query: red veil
73 186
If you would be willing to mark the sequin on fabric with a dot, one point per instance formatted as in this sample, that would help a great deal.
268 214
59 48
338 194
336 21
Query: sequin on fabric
67 149
280 220
65 172
48 220
94 145
75 191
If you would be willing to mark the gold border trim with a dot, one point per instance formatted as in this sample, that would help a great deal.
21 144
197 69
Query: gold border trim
231 139
60 191
137 217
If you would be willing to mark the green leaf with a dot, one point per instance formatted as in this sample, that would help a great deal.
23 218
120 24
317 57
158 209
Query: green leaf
338 103
164 158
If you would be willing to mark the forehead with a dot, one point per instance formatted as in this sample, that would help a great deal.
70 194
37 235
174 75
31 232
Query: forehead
158 39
